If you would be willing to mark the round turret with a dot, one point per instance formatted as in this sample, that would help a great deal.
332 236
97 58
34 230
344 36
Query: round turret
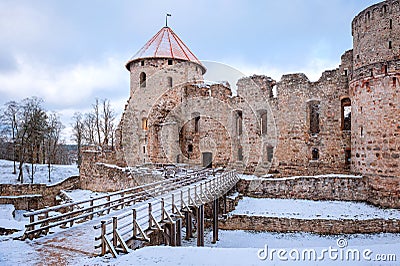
374 89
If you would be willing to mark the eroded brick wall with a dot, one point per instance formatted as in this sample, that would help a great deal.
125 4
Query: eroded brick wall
313 188
35 196
320 226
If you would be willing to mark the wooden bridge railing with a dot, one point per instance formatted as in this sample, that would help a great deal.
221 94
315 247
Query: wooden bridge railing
120 233
41 221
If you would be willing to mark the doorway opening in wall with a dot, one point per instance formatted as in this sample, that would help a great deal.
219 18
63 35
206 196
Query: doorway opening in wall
207 159
346 114
347 156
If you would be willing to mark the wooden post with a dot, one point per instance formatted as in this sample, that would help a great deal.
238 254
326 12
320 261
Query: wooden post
122 200
32 227
103 236
115 225
46 215
181 200
162 210
108 205
150 222
215 221
91 210
179 232
172 203
225 211
172 235
134 229
188 192
200 226
188 221
195 194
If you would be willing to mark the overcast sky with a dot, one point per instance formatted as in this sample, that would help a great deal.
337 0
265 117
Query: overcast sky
69 52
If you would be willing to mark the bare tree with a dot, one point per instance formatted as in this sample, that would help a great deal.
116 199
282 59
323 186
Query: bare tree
89 123
107 122
9 119
78 134
54 127
96 112
32 125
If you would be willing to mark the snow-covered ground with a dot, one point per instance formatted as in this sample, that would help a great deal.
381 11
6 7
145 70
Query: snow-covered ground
41 176
233 247
241 248
309 209
10 218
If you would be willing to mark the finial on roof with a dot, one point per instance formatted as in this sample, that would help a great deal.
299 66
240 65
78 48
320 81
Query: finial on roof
166 19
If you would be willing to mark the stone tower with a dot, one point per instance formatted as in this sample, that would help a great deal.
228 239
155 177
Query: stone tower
161 64
374 89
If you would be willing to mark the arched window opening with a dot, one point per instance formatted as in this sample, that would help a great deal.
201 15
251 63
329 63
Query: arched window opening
144 123
239 122
315 154
190 148
270 153
196 119
264 122
313 110
347 156
142 79
390 44
390 23
142 63
240 153
346 114
169 81
170 62
368 15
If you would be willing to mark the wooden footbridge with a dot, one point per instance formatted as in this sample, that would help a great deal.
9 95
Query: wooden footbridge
156 213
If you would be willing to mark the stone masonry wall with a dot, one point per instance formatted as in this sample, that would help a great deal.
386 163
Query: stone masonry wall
313 188
35 196
320 226
379 191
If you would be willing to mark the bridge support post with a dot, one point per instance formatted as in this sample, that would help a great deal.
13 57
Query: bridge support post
188 221
200 226
215 221
172 239
103 235
179 232
225 211
115 226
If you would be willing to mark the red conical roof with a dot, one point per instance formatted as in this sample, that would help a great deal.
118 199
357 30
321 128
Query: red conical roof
165 44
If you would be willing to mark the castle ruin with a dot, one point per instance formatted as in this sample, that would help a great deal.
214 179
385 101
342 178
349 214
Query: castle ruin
346 122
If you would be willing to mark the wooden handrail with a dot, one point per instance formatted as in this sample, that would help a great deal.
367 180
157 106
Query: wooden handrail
155 217
106 206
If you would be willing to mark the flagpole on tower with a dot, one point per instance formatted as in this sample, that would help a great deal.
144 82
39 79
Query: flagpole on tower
166 19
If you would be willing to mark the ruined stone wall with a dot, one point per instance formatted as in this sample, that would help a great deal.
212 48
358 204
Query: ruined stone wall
98 176
307 187
320 226
384 191
35 196
292 115
380 191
